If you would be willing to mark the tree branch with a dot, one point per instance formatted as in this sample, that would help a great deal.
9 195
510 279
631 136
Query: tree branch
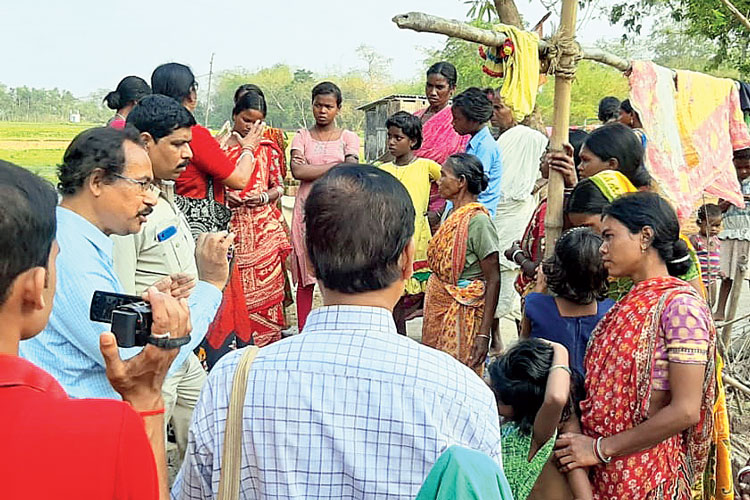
729 5
425 23
508 13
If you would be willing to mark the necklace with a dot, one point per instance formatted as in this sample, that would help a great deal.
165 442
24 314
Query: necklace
329 138
118 115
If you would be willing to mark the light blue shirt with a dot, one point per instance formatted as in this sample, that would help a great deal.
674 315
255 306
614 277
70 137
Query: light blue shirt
68 348
485 147
347 409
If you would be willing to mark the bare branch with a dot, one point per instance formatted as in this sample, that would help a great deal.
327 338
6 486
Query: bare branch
741 17
425 23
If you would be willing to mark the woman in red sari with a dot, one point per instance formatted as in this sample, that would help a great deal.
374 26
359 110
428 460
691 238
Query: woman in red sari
252 311
650 371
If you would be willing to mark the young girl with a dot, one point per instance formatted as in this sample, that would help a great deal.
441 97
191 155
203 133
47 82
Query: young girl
576 277
531 382
708 247
416 174
313 153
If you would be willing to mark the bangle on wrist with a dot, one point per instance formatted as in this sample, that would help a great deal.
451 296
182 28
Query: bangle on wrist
742 472
562 367
483 336
598 451
151 413
513 256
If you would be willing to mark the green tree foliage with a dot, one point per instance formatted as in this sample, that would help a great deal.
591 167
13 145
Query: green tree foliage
42 105
706 23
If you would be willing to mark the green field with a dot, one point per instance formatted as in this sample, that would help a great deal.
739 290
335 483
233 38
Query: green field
37 146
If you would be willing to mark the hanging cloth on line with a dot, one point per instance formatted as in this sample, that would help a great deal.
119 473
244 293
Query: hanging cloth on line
517 61
693 126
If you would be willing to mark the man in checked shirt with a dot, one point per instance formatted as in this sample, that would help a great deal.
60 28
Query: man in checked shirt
350 409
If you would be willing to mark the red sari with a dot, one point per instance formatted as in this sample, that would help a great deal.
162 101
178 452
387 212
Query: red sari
619 365
252 307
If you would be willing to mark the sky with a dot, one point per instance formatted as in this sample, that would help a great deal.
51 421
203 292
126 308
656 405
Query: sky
85 45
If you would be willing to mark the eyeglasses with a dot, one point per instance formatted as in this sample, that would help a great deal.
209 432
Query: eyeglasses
146 186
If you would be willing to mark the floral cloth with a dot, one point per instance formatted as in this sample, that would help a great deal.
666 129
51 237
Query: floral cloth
693 122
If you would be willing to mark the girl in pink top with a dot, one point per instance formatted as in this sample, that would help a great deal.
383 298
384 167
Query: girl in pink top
313 153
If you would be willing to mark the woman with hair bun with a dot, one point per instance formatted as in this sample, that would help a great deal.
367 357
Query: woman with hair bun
462 290
650 365
129 91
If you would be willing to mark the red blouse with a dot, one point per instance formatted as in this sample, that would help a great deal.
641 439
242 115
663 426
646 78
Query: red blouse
209 161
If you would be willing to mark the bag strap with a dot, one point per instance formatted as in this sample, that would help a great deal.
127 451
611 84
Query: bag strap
229 480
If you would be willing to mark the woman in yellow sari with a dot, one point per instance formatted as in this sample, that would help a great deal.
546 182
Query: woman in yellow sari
462 291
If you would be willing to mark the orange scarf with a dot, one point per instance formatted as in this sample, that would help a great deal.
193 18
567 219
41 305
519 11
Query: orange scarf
453 313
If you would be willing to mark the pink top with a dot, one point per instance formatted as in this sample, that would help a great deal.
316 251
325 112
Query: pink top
316 153
686 330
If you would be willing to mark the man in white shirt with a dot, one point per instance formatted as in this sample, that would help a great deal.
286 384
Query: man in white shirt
350 408
522 148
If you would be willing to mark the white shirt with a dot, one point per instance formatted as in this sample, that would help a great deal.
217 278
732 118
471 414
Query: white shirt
522 148
349 409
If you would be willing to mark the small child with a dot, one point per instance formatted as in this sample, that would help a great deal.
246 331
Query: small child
531 382
576 277
416 174
708 247
735 238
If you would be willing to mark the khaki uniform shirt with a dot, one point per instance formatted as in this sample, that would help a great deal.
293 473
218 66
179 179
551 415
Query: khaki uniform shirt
163 246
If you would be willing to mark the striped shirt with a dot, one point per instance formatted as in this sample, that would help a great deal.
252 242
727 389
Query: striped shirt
710 260
68 347
347 410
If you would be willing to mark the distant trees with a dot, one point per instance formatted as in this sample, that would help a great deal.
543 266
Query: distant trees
43 105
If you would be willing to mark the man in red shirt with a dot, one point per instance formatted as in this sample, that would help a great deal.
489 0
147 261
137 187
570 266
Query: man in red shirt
54 446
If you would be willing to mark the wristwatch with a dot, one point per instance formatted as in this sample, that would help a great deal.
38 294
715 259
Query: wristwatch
168 343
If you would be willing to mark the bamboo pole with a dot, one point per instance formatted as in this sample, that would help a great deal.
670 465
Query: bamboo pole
426 23
553 222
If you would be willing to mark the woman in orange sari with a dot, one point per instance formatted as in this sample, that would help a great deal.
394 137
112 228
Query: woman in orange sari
650 365
252 310
462 291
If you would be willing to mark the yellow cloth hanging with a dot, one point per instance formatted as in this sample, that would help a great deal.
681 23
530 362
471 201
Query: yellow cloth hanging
519 65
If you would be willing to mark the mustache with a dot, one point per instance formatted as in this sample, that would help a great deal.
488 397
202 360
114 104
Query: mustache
184 164
146 212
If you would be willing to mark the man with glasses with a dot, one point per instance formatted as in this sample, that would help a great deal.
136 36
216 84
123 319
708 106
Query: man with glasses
164 250
106 183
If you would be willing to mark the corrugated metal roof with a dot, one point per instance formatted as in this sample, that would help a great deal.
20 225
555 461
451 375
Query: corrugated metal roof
392 97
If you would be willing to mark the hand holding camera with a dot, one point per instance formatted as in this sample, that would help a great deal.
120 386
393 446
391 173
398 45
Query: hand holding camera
139 379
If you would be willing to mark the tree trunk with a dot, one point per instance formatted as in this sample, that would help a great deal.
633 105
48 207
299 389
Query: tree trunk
508 13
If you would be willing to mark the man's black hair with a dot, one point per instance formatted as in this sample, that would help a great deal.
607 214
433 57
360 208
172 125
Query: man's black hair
359 220
27 223
95 148
160 115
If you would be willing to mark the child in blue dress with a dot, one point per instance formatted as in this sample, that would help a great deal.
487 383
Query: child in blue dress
578 282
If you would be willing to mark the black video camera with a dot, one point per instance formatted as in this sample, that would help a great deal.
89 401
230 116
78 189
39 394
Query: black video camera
130 317
131 320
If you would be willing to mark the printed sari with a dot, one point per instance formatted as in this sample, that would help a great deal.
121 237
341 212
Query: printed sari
620 360
252 309
453 308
